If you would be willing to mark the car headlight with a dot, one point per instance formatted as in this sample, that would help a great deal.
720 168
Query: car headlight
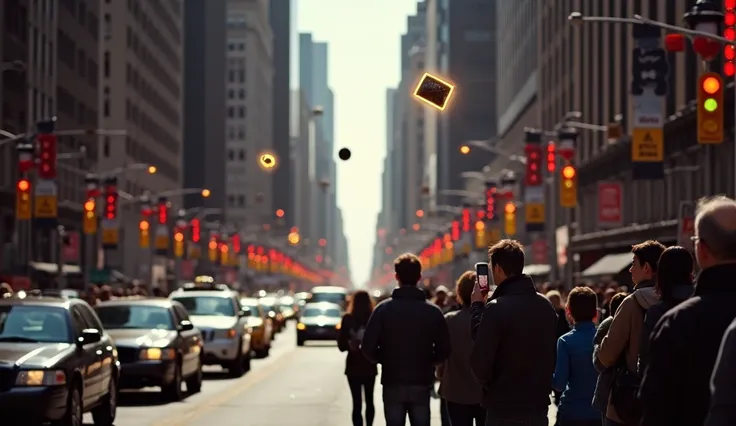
301 326
231 333
157 354
337 326
40 378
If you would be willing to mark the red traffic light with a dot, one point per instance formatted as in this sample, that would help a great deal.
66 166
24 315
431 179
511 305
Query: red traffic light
711 85
510 208
89 206
196 235
163 214
466 220
568 172
144 225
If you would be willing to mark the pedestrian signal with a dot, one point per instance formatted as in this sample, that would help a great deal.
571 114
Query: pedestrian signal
710 109
434 91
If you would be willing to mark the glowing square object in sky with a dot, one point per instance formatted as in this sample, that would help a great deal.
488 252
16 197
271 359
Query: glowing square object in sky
434 91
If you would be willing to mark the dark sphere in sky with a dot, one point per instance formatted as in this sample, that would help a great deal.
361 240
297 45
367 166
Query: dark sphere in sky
344 154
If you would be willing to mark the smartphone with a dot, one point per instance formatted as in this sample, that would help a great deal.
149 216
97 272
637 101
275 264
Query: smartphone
484 276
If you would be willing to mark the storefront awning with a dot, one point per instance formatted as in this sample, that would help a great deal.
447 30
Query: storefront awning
536 269
52 268
610 264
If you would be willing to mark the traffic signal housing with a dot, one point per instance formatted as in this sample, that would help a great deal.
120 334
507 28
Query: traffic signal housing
533 175
48 147
551 157
90 217
111 204
710 108
196 230
509 219
163 212
144 233
569 186
178 243
491 202
23 200
212 249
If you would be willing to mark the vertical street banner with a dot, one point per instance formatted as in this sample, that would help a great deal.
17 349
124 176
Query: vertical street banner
686 225
70 250
610 205
649 69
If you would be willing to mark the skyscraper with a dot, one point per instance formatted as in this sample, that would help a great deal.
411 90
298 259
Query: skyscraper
204 107
282 188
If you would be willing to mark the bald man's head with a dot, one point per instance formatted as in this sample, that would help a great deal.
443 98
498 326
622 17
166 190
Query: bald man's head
715 225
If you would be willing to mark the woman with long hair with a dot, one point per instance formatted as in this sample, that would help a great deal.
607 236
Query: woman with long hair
360 372
673 284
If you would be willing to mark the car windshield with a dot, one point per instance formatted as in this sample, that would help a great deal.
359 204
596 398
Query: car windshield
27 323
207 305
338 298
321 312
135 316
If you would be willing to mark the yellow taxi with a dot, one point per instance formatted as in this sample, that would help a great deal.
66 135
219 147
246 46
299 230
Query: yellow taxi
260 323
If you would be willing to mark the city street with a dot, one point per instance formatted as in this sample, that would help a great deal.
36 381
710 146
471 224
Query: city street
292 387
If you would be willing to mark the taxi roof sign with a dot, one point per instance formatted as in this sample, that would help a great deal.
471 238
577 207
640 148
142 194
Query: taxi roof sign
204 279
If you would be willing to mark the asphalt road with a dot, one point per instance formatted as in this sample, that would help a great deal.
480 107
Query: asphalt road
292 387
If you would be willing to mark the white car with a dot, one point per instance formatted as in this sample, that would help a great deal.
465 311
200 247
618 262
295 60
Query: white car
225 328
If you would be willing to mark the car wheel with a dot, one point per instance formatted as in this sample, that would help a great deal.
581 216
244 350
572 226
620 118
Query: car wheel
74 409
104 414
300 341
172 391
237 367
194 383
246 362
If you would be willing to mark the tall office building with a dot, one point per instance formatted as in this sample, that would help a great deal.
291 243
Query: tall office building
302 166
461 47
141 76
249 113
205 51
282 187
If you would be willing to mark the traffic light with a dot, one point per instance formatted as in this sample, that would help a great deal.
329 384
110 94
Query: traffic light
196 231
90 217
491 202
455 233
163 211
178 243
509 219
569 187
533 175
47 155
710 108
551 157
111 203
144 235
23 200
466 220
236 243
212 249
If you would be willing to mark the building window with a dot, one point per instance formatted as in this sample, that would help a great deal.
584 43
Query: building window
241 155
241 112
231 94
106 65
241 200
241 76
231 76
231 200
230 155
241 47
241 94
106 147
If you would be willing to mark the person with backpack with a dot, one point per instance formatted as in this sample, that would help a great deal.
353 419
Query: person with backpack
620 348
674 285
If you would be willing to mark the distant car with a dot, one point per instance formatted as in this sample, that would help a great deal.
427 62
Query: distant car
289 307
57 362
329 294
319 321
224 327
157 344
272 306
261 324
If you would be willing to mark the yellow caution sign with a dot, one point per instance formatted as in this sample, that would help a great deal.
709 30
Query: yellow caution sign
110 237
162 242
534 213
46 207
647 144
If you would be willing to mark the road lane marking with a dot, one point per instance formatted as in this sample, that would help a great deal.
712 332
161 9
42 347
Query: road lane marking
252 378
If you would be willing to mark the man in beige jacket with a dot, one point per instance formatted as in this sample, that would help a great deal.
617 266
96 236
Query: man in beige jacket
623 336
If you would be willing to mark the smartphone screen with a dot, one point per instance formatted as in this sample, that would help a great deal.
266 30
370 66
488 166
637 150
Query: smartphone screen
481 269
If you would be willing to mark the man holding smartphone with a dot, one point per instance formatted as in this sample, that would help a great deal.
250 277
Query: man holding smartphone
515 341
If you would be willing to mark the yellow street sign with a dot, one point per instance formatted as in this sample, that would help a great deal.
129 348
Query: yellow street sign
534 213
46 207
162 242
647 144
109 236
493 236
23 206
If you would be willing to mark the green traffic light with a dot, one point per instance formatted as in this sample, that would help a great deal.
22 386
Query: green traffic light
710 105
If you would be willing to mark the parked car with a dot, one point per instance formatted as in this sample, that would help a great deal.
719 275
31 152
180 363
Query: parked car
157 344
58 362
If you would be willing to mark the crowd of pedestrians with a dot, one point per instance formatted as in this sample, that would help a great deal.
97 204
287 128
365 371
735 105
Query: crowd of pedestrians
664 354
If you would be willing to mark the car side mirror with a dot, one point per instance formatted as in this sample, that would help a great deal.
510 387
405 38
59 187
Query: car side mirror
243 314
89 335
186 326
